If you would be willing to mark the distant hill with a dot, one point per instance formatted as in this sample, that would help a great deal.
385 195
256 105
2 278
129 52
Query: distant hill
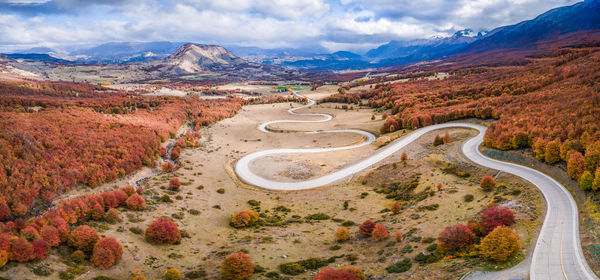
122 52
582 16
37 57
192 58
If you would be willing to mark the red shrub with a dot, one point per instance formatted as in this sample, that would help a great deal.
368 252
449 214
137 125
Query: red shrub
40 248
174 184
110 200
488 183
83 238
575 164
96 211
379 232
136 202
163 231
167 167
244 218
21 250
30 233
237 266
50 235
61 226
456 237
121 197
106 252
366 228
335 274
495 216
129 190
396 208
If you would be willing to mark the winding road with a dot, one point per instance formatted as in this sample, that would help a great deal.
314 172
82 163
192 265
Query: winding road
557 253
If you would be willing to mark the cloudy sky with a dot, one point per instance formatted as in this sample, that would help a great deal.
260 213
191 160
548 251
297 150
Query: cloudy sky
333 24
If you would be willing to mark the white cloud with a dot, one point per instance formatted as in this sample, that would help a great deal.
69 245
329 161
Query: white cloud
283 9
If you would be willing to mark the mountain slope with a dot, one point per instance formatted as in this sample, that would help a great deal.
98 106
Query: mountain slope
547 26
422 49
192 58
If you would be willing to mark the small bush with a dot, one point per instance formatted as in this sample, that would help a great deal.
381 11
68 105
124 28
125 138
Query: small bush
468 197
342 234
107 251
112 216
332 274
366 228
318 216
399 267
237 266
136 230
291 268
50 235
221 191
396 208
244 218
83 238
488 183
456 237
172 274
78 256
135 202
496 216
379 232
174 184
499 245
163 231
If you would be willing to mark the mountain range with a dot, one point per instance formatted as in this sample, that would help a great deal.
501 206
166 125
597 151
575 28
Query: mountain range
556 22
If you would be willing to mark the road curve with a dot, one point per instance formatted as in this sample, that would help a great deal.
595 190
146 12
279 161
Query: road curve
557 253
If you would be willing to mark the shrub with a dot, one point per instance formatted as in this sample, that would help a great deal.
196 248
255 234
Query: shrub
499 245
244 218
335 274
237 266
446 139
121 196
366 228
21 250
106 252
396 208
167 167
475 227
30 233
456 237
379 232
221 191
83 238
342 234
552 153
291 268
110 200
496 216
163 231
399 267
468 197
174 184
438 140
50 235
398 236
318 216
575 165
356 271
136 202
40 248
112 216
586 181
172 274
129 190
487 183
596 182
3 258
78 256
404 157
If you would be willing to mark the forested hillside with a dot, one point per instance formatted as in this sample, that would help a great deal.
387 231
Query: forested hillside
55 136
547 99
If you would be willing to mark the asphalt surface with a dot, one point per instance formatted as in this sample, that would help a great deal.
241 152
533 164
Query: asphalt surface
557 253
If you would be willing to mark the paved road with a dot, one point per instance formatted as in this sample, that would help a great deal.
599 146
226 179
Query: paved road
557 253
